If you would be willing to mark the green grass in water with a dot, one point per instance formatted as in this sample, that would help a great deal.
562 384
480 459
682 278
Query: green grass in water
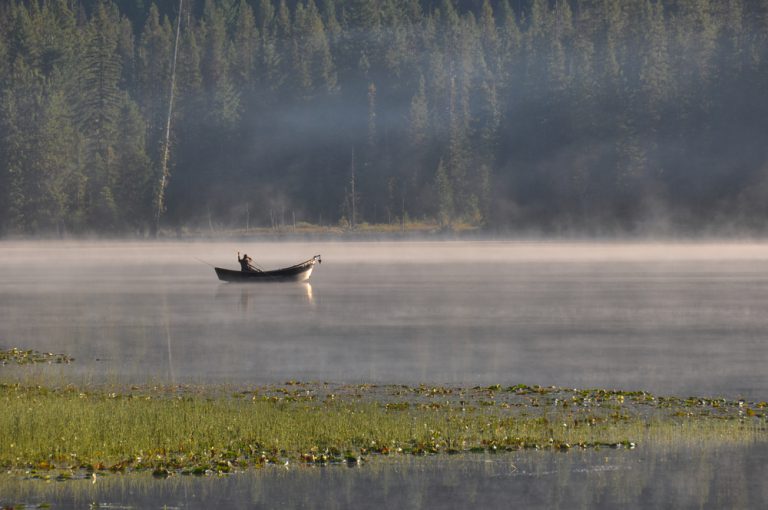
30 357
197 431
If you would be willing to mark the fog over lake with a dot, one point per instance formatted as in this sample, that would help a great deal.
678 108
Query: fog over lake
678 318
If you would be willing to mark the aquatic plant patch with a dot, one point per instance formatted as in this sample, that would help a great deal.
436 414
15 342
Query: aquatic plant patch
70 432
30 357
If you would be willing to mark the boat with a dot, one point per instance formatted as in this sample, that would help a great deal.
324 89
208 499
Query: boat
298 273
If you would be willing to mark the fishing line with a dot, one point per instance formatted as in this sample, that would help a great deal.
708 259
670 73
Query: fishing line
204 262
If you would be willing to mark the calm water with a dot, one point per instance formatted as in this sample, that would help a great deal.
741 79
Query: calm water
677 319
679 478
680 319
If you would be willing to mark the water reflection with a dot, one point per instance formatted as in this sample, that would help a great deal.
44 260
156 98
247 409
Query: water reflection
679 477
167 321
252 296
667 319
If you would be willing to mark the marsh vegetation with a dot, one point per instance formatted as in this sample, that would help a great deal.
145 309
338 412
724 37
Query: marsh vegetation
64 432
31 356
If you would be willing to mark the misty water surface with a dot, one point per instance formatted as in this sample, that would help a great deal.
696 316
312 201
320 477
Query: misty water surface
677 318
679 477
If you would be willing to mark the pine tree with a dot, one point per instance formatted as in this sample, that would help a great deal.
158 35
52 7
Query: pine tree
20 117
457 158
134 184
24 37
418 131
445 203
372 131
331 21
223 99
269 77
695 41
510 41
283 39
559 39
654 69
490 38
189 83
655 80
418 125
489 122
593 106
246 41
4 132
313 63
154 64
58 26
60 154
98 112
395 42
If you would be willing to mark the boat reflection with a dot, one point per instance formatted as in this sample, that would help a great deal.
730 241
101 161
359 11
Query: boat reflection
256 297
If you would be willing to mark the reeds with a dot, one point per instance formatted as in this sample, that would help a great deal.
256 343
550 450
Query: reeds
192 430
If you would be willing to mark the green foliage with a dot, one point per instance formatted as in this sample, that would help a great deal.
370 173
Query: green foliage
64 179
445 200
154 74
245 48
30 357
198 430
573 114
222 99
134 183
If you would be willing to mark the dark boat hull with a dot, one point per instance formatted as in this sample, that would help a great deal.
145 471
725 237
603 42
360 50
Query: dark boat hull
298 273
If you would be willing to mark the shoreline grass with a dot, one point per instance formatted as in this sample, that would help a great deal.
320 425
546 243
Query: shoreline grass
73 431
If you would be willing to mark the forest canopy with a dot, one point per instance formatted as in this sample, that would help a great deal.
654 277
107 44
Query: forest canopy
583 116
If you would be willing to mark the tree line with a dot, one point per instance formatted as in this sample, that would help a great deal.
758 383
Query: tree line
591 116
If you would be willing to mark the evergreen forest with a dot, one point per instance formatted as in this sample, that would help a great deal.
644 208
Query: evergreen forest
593 117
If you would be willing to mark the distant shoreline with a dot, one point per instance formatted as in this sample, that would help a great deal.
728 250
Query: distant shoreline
333 236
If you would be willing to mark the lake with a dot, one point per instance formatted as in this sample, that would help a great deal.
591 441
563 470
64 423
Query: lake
679 318
697 477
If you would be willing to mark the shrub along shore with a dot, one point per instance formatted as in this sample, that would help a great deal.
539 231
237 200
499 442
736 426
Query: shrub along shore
74 431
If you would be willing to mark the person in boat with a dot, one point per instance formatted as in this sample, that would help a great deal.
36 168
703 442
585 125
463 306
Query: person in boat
246 263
